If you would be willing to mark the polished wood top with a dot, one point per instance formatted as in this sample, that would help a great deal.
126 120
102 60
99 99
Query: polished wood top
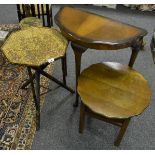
113 90
34 46
94 30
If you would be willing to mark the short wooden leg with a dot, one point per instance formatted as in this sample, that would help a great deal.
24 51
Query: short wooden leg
122 132
37 78
64 72
65 64
78 51
78 56
82 118
133 57
136 47
32 77
55 80
32 84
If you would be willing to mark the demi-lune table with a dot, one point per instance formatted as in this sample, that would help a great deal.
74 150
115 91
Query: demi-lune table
88 30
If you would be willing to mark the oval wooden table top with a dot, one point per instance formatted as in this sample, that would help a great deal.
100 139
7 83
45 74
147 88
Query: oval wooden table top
34 46
113 90
95 31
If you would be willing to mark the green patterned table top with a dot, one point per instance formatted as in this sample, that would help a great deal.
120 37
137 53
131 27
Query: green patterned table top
34 46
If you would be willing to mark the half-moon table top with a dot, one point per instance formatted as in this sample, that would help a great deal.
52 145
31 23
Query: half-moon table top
114 90
92 30
34 46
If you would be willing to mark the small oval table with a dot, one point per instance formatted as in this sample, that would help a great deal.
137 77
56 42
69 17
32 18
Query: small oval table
88 30
114 93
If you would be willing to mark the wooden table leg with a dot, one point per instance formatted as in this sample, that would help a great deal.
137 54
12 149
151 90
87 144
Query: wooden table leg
32 78
78 51
32 84
82 118
55 80
36 94
133 57
122 132
137 46
37 90
65 63
64 68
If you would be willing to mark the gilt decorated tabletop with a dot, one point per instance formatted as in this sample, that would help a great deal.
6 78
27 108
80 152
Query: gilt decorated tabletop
94 31
34 46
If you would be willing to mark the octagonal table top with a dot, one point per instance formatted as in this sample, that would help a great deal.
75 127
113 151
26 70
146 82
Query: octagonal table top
96 31
34 46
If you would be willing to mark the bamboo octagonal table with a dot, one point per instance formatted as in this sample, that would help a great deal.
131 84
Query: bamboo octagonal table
88 30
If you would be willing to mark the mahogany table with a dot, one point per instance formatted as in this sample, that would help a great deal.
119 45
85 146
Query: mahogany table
113 93
88 30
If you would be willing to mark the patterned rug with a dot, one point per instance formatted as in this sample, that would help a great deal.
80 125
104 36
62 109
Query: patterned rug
17 111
